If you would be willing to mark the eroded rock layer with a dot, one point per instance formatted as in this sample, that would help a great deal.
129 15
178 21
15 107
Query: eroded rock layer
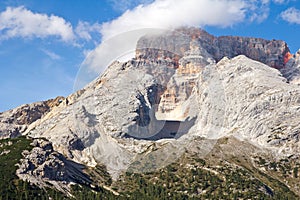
175 44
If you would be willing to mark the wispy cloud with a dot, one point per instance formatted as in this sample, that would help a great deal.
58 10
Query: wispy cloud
123 5
291 15
258 11
20 22
51 54
280 1
84 30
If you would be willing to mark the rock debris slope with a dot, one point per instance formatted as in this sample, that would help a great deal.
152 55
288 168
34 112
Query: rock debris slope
181 86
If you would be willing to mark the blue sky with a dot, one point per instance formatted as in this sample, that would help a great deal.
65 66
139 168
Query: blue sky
43 44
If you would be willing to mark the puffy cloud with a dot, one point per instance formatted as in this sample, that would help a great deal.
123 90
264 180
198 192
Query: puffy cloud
20 22
169 14
291 15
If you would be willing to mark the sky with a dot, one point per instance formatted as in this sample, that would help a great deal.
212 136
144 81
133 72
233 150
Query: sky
52 48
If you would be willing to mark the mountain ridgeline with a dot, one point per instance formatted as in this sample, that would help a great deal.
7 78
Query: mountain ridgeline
192 116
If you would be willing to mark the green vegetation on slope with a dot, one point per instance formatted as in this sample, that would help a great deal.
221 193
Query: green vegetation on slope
11 187
189 177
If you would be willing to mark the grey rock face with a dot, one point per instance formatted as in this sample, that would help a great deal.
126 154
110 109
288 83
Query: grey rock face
14 122
260 105
238 97
45 167
292 68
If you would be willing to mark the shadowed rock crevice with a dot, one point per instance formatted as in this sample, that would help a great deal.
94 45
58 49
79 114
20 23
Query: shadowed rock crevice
170 129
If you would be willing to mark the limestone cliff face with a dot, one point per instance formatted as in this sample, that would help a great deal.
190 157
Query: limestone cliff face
270 52
182 83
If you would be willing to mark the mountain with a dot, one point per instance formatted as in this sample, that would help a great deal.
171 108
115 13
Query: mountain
192 115
15 121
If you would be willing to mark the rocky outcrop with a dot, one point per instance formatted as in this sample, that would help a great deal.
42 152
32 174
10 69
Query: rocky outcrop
292 68
45 167
14 122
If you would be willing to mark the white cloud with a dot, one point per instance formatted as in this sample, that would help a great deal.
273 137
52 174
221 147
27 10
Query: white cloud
20 22
123 5
85 29
51 54
291 15
258 10
23 23
167 14
120 35
280 1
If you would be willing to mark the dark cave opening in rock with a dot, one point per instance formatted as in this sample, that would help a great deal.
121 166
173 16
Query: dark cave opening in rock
174 129
166 130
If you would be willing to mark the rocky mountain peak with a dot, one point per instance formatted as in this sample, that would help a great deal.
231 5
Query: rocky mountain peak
175 44
184 89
